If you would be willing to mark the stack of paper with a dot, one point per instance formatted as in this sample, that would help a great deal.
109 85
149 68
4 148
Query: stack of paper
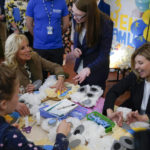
61 108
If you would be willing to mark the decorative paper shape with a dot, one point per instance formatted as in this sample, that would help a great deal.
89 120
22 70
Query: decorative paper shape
146 34
146 16
142 5
16 14
138 41
138 27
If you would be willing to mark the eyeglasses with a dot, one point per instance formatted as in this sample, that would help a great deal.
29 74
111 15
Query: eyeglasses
77 16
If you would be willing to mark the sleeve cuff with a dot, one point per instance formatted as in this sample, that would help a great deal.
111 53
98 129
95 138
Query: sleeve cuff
61 142
63 74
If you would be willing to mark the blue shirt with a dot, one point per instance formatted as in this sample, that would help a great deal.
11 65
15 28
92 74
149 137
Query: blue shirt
36 10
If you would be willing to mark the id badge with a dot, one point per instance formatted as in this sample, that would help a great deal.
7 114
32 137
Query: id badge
49 30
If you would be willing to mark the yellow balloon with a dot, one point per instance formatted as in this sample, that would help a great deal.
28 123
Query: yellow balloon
146 34
146 16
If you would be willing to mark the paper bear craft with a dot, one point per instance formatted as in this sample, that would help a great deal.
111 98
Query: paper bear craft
82 133
87 95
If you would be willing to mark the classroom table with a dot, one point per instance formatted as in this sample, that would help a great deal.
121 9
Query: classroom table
40 137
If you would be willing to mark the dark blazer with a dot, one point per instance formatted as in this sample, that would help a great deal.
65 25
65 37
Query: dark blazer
104 7
97 57
136 89
2 3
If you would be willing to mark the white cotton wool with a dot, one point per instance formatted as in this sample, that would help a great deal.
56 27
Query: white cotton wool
92 128
125 111
103 143
75 122
93 135
45 126
87 95
139 124
78 136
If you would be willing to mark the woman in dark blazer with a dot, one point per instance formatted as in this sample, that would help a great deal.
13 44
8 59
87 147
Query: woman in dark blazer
92 43
138 83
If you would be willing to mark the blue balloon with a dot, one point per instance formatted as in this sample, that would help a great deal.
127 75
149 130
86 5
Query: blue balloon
142 4
138 27
138 41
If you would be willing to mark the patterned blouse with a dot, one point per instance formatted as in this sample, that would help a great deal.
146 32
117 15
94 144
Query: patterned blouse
12 139
15 12
67 35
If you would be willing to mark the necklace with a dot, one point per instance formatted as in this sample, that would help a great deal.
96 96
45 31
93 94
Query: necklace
49 14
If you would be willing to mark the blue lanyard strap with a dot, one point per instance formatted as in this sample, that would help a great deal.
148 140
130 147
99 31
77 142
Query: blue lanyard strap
49 14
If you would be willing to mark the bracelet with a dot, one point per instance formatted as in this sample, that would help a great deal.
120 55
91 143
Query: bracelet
61 76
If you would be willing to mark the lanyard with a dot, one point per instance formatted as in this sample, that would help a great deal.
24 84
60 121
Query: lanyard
49 14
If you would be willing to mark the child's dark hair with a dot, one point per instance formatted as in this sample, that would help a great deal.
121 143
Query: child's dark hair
8 81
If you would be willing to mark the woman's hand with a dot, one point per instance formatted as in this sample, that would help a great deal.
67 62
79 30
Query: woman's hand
22 109
115 116
59 84
81 76
77 52
135 116
64 128
30 88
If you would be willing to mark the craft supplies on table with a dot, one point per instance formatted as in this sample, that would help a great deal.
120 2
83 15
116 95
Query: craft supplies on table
37 84
127 128
79 112
65 92
59 110
12 118
49 147
124 143
101 120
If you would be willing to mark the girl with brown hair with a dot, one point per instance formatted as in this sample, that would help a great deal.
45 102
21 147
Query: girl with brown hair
92 43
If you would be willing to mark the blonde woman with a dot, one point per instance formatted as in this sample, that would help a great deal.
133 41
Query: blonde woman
28 64
138 83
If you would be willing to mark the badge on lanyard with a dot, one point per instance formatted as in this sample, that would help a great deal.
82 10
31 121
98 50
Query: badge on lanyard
49 30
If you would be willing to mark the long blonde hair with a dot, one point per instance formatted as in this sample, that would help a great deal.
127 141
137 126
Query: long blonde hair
144 50
12 45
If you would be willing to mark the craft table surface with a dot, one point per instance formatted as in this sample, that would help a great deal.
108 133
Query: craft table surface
40 137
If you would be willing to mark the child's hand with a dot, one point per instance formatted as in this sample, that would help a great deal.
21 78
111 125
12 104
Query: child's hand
64 128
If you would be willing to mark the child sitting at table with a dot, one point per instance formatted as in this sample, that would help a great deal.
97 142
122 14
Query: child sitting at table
11 138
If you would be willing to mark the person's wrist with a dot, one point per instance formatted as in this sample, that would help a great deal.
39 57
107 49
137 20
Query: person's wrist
109 112
61 78
88 71
145 118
